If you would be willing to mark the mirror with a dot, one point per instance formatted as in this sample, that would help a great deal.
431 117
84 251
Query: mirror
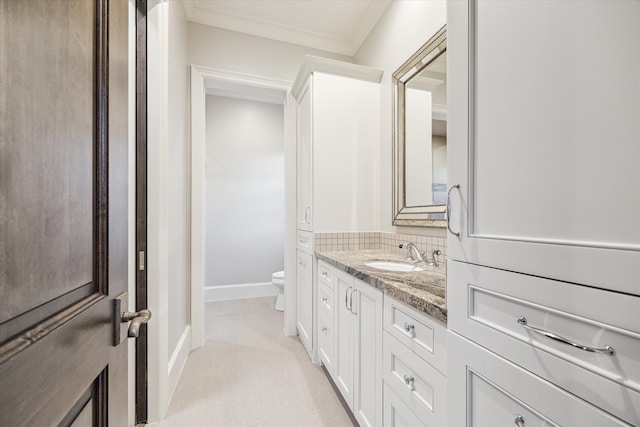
420 136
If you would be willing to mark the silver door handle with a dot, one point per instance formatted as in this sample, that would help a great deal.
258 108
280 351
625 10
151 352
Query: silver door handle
607 349
346 298
306 214
519 421
137 319
449 210
351 302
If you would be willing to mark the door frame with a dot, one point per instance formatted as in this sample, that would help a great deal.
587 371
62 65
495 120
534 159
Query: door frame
201 77
138 254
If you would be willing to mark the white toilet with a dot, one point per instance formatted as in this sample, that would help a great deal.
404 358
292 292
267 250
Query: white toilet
277 279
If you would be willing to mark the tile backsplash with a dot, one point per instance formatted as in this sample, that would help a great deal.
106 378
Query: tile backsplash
378 240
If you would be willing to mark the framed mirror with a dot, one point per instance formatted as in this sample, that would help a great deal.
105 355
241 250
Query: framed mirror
420 136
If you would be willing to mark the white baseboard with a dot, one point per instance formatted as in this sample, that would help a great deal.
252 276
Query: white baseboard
241 291
178 359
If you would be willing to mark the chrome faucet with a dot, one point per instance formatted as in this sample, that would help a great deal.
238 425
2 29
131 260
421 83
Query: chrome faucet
411 249
433 262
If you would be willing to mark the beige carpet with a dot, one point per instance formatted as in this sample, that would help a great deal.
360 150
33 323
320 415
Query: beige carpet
250 374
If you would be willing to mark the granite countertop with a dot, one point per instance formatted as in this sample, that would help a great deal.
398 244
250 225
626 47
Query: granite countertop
424 290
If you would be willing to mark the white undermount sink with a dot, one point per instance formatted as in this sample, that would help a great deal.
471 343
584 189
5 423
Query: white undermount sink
394 266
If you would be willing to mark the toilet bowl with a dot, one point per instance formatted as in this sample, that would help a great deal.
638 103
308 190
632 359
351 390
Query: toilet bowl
277 279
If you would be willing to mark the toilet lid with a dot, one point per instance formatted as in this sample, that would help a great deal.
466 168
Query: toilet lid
278 275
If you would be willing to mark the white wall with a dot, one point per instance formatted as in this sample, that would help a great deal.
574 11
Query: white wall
178 172
244 191
404 28
233 51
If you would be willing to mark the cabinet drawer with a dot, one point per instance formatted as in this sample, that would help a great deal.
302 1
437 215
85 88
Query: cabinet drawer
421 387
304 241
326 342
326 274
398 414
423 335
325 300
487 390
498 309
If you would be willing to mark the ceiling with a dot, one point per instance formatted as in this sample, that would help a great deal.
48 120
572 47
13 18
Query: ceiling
338 26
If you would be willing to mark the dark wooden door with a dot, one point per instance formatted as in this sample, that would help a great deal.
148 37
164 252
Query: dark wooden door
63 211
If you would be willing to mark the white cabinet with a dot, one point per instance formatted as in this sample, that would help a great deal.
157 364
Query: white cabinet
358 361
547 155
304 294
337 114
496 392
414 365
326 317
304 160
544 238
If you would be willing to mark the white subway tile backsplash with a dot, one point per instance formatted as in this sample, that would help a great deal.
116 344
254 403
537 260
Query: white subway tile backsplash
378 240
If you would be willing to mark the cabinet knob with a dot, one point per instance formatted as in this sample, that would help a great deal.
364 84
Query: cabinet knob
324 300
519 421
408 380
324 329
324 274
410 328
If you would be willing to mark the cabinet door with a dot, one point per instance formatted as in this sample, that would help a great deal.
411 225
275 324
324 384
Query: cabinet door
543 139
367 307
344 343
304 296
304 160
486 390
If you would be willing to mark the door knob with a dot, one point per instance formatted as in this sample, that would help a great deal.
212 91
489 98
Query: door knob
136 318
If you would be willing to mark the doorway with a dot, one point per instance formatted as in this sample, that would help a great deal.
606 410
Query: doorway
205 79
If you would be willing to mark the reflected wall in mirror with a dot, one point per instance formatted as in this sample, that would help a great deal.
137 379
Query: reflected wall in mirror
420 136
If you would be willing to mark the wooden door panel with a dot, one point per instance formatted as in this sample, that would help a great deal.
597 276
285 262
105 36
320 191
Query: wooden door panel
47 159
63 211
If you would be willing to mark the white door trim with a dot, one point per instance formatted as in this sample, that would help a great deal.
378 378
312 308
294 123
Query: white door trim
200 78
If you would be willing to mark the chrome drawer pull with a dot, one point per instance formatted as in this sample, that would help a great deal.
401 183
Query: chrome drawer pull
607 349
324 274
457 234
519 421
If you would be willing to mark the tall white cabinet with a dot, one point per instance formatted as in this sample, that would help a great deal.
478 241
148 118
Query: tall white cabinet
338 115
544 237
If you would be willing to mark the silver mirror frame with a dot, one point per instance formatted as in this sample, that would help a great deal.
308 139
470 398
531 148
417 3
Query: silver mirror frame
415 216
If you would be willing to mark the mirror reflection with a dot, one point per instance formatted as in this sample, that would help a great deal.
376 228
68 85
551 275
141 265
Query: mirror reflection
426 140
420 136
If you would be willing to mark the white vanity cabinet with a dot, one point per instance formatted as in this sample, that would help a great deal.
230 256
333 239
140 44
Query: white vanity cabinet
544 242
414 367
357 365
337 114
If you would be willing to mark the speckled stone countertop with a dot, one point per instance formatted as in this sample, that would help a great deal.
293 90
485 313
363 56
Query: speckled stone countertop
424 290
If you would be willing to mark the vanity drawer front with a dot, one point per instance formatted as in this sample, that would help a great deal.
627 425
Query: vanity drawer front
420 386
326 341
487 390
326 273
325 299
498 309
397 413
423 335
304 241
